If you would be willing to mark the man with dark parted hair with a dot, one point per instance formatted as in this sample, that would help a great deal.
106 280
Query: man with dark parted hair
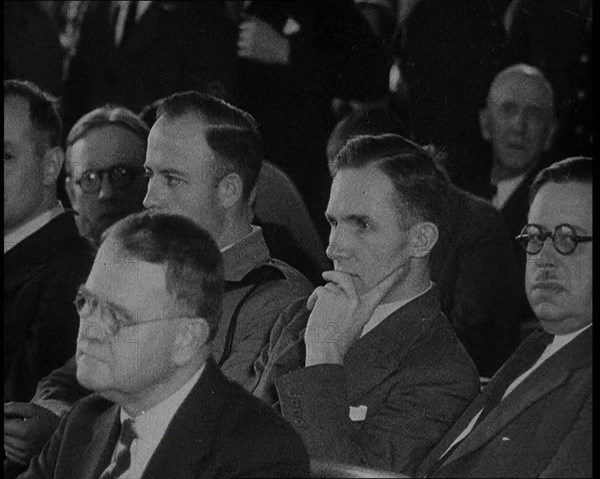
472 264
534 419
369 370
202 162
104 161
44 257
148 312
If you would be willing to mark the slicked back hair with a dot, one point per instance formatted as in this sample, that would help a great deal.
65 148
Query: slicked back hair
108 115
230 132
420 185
577 169
194 268
43 112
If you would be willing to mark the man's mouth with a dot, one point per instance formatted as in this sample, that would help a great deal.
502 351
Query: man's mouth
549 286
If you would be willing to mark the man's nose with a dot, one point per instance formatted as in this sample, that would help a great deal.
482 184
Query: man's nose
93 329
151 198
519 122
547 255
107 189
335 248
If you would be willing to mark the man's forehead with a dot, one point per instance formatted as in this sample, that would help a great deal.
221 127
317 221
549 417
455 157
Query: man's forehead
106 146
360 191
558 203
520 88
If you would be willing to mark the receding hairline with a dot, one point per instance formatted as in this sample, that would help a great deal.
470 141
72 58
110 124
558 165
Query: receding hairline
524 71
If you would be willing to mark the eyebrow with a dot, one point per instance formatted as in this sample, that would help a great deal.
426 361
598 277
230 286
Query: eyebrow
119 309
353 218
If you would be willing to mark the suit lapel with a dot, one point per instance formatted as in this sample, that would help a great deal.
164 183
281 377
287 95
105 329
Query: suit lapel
555 371
98 453
191 430
377 354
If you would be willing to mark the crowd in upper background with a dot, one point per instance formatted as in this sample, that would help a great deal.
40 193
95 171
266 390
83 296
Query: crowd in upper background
280 131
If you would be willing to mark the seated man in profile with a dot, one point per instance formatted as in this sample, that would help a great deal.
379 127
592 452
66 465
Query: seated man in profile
148 313
45 259
534 419
203 160
369 371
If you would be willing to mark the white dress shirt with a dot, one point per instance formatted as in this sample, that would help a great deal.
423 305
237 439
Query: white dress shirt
505 189
27 229
150 427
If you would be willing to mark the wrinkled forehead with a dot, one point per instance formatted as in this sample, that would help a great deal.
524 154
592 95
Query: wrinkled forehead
106 146
522 89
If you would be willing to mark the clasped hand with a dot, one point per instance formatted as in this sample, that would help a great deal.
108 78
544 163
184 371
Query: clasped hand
338 315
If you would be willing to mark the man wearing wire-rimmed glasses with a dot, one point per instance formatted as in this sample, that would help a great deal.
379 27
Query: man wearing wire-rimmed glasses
534 419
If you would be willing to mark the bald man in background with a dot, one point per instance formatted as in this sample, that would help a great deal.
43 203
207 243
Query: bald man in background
519 123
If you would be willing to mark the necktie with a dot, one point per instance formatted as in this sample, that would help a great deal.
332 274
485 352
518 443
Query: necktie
129 20
494 391
122 456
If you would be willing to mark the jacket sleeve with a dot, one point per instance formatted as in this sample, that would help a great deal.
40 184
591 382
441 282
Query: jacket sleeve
256 320
417 411
59 390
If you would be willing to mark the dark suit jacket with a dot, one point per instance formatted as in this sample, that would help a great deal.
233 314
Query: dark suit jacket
473 265
219 431
410 371
41 277
175 46
541 429
515 212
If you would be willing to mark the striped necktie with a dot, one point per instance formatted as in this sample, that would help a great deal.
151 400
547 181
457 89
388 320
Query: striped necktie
122 455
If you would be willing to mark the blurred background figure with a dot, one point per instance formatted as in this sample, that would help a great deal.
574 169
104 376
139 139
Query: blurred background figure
295 58
132 53
519 123
104 166
45 259
556 37
32 49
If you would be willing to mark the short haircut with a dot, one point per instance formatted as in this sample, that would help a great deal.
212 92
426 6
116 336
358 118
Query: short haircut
43 112
230 132
107 115
375 120
577 169
194 268
420 185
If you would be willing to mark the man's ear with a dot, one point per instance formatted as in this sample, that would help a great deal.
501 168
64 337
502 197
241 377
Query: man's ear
52 163
192 334
484 124
229 190
423 237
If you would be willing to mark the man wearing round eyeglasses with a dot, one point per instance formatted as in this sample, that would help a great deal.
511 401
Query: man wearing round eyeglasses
105 180
148 311
534 419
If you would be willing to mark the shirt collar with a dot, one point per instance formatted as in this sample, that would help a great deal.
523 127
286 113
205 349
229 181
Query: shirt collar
384 310
27 229
245 255
154 421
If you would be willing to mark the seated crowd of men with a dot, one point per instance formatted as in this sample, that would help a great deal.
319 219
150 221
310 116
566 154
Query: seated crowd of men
149 332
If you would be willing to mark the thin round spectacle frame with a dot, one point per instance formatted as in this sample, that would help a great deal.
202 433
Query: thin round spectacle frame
564 238
87 303
120 176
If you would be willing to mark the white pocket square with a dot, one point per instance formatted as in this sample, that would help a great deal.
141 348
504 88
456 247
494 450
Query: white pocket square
358 413
291 26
